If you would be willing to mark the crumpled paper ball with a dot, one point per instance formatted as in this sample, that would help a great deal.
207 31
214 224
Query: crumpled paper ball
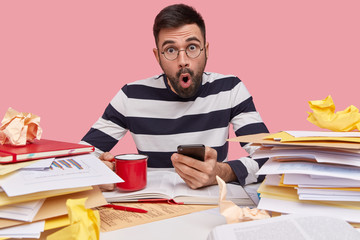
84 223
19 128
234 213
324 116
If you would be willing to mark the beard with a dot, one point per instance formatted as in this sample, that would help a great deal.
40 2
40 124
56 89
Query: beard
196 80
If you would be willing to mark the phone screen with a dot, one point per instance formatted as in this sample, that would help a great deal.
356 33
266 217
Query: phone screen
196 151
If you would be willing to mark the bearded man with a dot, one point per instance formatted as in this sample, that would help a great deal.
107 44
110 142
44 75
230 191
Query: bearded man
183 105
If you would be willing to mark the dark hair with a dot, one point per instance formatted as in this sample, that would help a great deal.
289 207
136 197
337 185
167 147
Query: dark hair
175 16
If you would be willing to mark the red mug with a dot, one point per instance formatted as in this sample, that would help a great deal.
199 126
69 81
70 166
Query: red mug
132 168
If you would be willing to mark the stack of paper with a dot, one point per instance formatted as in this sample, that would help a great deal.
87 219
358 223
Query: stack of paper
310 172
36 191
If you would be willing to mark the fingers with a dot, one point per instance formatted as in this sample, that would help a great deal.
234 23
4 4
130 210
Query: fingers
107 187
179 167
196 173
111 165
210 154
106 156
193 178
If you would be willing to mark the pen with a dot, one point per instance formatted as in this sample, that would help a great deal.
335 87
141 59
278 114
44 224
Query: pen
123 208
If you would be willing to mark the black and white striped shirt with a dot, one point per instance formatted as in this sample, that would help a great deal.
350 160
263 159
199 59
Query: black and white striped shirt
159 120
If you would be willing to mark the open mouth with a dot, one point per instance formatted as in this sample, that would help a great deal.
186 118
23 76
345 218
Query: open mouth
185 80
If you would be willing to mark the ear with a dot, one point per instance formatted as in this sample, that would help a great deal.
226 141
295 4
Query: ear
207 49
156 54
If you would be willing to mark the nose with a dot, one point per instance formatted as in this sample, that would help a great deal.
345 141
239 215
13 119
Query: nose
183 59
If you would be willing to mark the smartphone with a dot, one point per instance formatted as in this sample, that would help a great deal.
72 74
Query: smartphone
196 151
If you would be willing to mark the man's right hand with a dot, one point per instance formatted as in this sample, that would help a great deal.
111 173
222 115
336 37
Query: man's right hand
107 159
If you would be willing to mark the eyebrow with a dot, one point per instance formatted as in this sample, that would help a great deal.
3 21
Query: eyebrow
193 39
187 40
167 42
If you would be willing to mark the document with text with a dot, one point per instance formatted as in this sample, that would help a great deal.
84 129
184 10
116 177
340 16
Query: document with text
294 227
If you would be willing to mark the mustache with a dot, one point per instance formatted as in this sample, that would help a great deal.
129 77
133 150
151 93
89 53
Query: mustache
184 70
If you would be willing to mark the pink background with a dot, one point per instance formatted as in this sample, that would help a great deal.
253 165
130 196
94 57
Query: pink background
65 60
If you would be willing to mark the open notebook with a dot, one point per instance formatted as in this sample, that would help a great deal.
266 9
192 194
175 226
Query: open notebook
169 185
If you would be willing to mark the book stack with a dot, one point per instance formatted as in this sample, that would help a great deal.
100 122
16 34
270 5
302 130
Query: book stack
35 185
309 172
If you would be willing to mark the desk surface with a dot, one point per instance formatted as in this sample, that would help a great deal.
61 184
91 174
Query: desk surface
191 226
195 225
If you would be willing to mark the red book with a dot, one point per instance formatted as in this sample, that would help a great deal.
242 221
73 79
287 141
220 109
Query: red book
41 149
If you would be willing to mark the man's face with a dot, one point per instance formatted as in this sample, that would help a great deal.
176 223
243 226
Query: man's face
184 74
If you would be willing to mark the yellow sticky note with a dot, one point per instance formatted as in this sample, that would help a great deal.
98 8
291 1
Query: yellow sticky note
324 116
84 223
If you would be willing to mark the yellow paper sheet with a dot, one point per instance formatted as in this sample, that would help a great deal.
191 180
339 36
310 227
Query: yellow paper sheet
56 206
281 183
264 139
285 137
5 200
8 168
355 189
84 223
290 194
57 222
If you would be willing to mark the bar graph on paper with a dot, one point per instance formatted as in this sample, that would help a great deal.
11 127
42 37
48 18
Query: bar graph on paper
71 167
66 164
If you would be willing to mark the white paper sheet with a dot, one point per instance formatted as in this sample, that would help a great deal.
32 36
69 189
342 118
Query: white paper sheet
274 167
320 191
40 164
322 134
282 206
67 172
307 180
316 197
293 226
351 159
22 211
273 179
31 230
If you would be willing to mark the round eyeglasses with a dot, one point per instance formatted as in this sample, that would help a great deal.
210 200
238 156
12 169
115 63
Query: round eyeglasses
192 51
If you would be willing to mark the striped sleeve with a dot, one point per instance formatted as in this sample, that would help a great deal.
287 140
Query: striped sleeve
246 120
110 127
